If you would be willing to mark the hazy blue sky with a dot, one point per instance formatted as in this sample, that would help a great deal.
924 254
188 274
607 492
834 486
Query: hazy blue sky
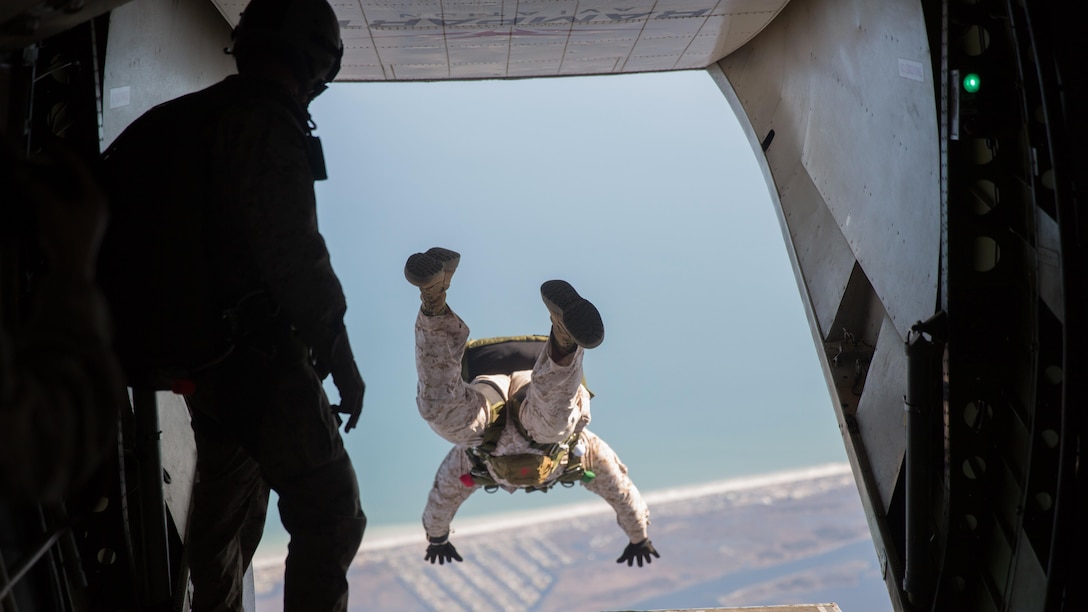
641 191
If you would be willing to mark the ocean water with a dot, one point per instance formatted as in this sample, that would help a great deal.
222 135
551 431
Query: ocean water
648 197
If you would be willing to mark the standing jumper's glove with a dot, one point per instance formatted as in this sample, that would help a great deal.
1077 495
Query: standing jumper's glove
441 550
348 381
640 551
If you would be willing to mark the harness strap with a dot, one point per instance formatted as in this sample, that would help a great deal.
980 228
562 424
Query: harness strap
481 454
497 418
514 408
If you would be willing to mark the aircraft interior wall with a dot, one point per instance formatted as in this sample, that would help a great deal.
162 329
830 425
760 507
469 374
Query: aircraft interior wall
933 246
158 51
838 97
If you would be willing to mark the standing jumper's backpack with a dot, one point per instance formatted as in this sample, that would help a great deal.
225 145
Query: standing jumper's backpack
158 261
154 265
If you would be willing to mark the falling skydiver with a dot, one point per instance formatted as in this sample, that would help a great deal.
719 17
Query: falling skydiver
522 429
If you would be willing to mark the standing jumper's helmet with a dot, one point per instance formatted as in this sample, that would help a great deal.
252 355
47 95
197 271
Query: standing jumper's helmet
304 33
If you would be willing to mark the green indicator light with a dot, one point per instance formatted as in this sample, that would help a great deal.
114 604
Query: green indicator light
971 83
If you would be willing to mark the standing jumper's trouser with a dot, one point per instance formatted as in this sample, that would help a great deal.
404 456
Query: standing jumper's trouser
556 403
262 419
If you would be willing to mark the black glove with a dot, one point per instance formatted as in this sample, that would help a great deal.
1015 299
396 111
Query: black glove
441 550
638 552
348 381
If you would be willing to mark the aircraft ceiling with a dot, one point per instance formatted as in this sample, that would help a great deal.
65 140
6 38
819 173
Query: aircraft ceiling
399 40
402 40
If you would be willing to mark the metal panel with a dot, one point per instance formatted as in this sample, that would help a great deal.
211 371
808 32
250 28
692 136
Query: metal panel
881 424
822 252
479 39
798 189
826 245
158 51
178 458
1028 586
821 256
1048 250
535 13
840 97
537 55
849 90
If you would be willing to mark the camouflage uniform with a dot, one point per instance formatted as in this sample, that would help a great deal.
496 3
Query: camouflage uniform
556 405
60 392
261 417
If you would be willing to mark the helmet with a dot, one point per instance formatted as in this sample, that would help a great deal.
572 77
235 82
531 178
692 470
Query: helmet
305 33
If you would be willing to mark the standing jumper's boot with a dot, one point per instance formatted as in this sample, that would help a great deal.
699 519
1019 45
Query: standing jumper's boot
575 321
431 272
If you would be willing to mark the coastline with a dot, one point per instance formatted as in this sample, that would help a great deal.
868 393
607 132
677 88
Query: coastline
390 536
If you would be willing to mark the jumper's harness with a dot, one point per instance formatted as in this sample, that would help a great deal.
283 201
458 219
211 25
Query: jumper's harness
559 462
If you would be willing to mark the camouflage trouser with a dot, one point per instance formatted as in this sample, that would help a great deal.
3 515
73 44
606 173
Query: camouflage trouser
555 405
261 421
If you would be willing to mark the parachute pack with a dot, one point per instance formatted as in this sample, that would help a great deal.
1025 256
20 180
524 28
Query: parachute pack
154 265
158 256
530 471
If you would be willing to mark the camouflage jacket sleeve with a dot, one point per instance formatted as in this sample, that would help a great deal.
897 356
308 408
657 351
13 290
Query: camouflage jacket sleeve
613 484
447 494
271 191
60 392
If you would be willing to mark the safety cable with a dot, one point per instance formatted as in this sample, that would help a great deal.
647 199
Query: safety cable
24 566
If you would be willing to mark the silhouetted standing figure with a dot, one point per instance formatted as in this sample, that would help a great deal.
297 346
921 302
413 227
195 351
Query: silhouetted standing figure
256 321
